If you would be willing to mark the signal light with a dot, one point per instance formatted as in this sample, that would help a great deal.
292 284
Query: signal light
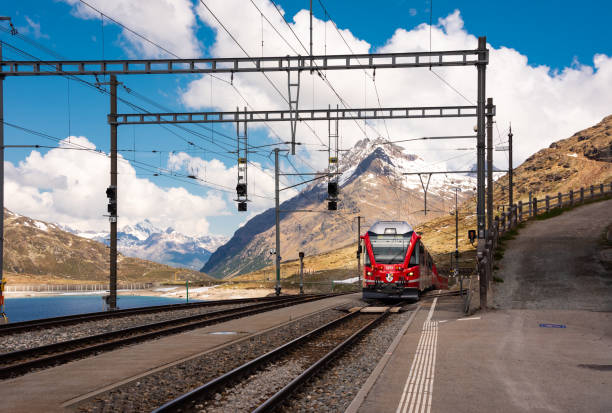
332 205
242 206
241 189
111 192
332 189
112 208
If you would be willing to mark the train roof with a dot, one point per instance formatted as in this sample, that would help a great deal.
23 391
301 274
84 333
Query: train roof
390 227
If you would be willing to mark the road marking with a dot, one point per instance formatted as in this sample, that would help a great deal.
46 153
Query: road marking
466 319
418 389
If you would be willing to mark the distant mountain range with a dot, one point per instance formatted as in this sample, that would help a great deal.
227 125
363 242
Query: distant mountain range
167 246
372 186
37 251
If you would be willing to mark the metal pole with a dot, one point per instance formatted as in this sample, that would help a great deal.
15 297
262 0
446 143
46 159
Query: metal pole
480 132
301 273
1 180
358 250
310 27
456 229
510 184
113 175
2 315
277 259
480 177
489 164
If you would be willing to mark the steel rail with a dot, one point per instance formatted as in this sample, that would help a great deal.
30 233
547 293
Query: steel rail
51 354
208 389
53 322
290 388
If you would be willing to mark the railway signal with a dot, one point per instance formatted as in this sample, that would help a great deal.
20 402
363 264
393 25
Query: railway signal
472 235
111 194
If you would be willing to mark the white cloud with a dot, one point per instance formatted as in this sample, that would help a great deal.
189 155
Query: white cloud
32 27
169 23
543 105
260 179
68 187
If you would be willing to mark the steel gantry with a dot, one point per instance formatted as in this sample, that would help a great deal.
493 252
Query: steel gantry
478 57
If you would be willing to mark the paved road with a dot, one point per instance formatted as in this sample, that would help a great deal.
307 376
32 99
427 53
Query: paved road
559 263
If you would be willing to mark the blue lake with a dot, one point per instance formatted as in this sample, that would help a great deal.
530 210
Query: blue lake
30 308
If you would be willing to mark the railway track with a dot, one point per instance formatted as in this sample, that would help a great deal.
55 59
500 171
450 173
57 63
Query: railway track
20 362
263 383
26 326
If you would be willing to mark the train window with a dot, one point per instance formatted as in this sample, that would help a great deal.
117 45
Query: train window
367 258
389 249
414 258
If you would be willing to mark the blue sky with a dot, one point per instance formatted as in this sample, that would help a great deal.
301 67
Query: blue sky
559 35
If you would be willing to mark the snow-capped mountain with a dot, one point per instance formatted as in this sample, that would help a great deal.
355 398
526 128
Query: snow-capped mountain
371 183
168 246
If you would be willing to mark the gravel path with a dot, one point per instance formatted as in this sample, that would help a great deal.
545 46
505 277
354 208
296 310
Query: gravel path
156 389
35 338
334 389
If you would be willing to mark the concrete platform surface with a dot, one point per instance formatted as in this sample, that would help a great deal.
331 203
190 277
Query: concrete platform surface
499 361
51 389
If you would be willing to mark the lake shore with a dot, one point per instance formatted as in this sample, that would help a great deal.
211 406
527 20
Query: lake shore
196 293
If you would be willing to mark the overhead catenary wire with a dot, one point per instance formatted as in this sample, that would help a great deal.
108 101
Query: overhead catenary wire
210 184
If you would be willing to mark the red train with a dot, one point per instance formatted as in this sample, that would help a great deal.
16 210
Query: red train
397 265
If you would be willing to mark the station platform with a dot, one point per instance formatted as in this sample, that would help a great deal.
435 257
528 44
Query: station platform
500 360
57 388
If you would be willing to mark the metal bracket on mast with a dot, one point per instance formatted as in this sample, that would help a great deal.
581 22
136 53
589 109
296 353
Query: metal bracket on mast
332 164
425 188
242 151
293 88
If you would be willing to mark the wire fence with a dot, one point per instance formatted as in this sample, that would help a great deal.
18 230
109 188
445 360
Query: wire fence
85 288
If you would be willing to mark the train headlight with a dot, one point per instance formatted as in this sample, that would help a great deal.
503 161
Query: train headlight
369 273
411 274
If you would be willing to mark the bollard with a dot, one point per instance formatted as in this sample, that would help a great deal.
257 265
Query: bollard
581 194
571 197
547 203
535 206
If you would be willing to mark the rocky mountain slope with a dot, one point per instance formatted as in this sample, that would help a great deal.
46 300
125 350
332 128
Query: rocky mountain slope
371 185
584 159
42 251
581 160
167 246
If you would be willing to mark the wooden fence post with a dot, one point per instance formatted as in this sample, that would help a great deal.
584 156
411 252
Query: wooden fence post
601 188
571 197
547 203
535 206
559 200
581 194
592 191
520 210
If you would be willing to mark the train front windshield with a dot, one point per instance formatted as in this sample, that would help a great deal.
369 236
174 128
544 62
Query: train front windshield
389 249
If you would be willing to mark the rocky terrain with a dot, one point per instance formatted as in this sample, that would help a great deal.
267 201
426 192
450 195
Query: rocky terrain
37 251
584 159
371 185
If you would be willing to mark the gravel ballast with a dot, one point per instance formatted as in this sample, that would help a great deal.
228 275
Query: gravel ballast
334 388
150 392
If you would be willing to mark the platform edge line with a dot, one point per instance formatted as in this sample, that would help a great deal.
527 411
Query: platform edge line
371 380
